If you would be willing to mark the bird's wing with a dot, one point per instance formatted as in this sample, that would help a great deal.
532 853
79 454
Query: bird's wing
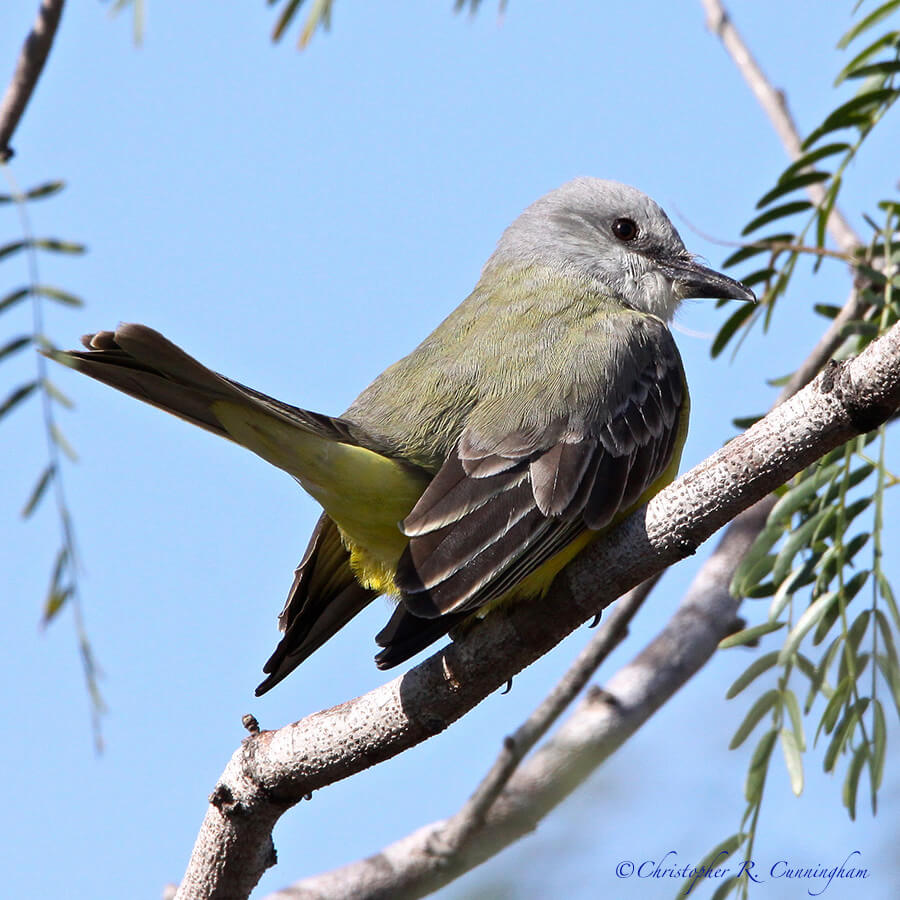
504 504
324 597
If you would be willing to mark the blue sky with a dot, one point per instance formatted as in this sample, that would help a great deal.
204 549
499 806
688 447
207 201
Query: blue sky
298 222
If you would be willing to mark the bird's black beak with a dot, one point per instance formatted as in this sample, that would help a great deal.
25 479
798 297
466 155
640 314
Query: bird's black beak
690 279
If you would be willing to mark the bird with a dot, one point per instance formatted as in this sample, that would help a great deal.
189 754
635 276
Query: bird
546 407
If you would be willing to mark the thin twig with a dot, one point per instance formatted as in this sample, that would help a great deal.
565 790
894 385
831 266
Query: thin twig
28 69
774 104
471 817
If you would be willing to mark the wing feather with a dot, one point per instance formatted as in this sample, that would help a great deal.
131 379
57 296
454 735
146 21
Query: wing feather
503 505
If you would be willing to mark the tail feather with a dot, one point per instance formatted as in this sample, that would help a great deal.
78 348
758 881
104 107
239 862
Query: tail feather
141 362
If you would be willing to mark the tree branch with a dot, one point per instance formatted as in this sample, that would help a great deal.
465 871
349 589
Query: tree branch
774 105
28 69
459 830
600 724
274 770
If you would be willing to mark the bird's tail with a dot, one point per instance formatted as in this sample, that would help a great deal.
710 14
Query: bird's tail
365 491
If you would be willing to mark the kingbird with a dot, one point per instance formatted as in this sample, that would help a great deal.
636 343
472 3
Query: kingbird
547 406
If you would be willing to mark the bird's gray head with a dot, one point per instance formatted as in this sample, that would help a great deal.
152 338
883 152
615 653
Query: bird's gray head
618 236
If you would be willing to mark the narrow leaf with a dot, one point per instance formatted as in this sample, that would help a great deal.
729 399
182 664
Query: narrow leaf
851 785
793 760
13 346
60 440
811 615
756 775
60 296
793 708
732 323
749 635
16 397
12 247
762 705
864 24
42 191
755 669
805 161
38 490
778 212
13 297
795 182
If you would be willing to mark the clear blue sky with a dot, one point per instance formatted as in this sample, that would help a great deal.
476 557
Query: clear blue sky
298 222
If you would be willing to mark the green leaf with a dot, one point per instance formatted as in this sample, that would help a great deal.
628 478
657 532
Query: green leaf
287 14
728 886
61 442
761 276
807 159
12 247
762 705
855 112
749 635
834 706
732 323
798 578
804 664
796 541
793 708
879 745
759 246
810 617
858 629
60 296
16 397
42 191
793 760
756 564
756 775
888 67
828 310
842 736
13 346
887 638
755 669
715 858
55 601
864 24
56 394
825 209
745 422
38 490
884 589
57 246
886 40
13 297
795 182
799 495
851 784
778 212
891 676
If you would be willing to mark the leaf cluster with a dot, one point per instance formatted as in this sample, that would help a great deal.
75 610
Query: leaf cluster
63 588
818 560
795 224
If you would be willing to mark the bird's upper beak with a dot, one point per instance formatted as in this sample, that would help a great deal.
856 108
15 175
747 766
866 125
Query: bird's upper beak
690 279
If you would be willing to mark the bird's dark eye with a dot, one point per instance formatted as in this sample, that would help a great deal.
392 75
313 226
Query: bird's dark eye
625 229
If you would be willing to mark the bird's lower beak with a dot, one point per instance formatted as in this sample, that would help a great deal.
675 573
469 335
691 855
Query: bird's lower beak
690 279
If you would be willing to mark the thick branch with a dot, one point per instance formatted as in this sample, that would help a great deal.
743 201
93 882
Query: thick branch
28 69
274 770
461 828
599 725
774 104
